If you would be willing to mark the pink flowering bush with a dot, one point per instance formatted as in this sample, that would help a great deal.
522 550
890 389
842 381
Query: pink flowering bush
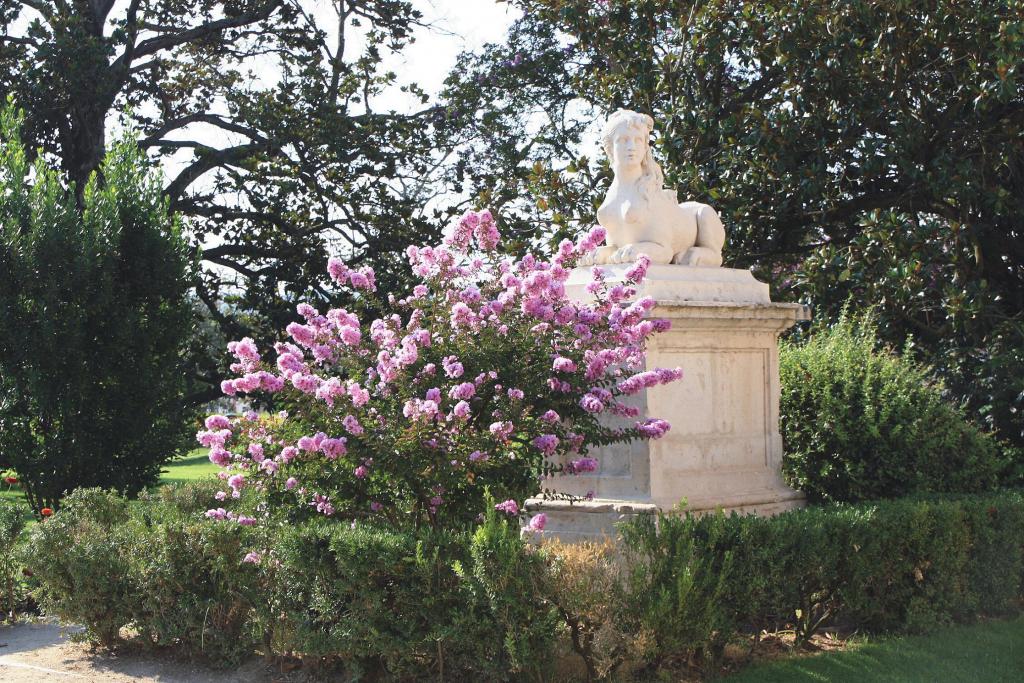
484 376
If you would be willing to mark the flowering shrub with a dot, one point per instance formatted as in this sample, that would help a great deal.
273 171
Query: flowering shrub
485 376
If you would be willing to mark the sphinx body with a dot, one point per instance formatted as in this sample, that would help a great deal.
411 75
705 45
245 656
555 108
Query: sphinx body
640 216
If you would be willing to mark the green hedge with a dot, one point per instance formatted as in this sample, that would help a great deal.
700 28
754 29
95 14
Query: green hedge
906 565
379 604
390 605
168 575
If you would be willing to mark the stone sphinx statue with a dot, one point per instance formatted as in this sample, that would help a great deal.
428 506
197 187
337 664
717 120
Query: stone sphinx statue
640 215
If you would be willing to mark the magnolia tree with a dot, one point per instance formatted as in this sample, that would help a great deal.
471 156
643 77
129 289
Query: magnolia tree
484 378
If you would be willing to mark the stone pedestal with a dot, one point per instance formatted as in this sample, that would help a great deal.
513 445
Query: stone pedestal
724 449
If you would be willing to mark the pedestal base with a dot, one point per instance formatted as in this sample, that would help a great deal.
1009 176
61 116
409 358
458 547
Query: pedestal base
597 519
724 450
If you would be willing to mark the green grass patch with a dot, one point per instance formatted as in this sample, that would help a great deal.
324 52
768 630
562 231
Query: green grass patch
193 466
988 652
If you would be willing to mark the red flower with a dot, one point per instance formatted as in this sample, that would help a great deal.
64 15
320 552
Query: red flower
11 480
46 512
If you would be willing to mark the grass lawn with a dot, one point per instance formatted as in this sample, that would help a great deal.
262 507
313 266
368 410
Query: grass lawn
195 465
190 467
989 652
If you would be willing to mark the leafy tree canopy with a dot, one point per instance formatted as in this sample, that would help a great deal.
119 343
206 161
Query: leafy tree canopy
265 109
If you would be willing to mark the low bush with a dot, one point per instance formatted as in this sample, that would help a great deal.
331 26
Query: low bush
586 583
379 603
511 576
170 577
191 587
384 604
860 422
678 586
893 566
81 557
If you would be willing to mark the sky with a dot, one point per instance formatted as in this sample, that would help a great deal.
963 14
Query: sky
458 25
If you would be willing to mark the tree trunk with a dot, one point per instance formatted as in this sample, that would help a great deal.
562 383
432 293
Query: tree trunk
86 146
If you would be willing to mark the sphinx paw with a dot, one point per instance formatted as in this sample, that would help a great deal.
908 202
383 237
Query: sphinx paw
597 256
631 252
626 254
698 256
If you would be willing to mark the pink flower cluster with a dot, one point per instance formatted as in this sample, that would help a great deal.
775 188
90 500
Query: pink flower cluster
485 371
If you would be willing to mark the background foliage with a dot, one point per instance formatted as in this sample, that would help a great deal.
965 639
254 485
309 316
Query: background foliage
265 111
853 150
857 152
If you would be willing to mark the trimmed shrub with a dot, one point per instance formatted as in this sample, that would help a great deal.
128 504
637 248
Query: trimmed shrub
81 558
860 422
190 498
893 566
175 579
193 589
680 579
510 575
404 605
378 603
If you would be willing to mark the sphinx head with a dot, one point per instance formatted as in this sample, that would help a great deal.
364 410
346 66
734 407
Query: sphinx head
626 141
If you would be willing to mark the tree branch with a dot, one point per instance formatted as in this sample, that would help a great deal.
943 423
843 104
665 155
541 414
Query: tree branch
153 45
174 124
210 158
15 40
223 213
239 250
233 265
204 396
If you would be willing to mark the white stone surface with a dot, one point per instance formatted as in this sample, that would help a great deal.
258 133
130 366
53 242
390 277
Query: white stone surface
640 215
724 449
679 284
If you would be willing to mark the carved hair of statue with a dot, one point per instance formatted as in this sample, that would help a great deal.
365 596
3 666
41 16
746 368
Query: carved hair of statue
652 180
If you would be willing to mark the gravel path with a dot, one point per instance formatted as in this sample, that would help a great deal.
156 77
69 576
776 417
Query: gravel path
42 653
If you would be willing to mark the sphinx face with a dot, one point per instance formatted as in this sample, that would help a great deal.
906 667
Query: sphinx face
629 146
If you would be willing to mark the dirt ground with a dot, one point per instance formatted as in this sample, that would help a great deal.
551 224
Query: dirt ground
43 653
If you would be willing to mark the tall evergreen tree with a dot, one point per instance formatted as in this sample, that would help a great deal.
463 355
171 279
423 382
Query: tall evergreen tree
94 317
